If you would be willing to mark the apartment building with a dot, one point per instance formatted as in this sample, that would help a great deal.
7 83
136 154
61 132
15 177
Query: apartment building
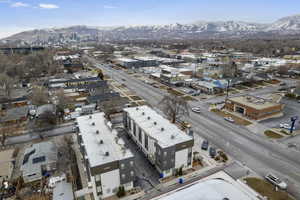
108 163
165 145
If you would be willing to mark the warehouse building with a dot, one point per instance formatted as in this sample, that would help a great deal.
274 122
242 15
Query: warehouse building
255 108
108 163
164 144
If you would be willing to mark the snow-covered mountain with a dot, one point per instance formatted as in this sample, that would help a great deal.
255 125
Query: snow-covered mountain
199 30
291 23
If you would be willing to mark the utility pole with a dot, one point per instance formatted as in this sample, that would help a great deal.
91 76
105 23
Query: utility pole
293 119
227 89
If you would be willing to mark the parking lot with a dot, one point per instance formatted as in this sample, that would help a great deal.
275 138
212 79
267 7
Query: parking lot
291 109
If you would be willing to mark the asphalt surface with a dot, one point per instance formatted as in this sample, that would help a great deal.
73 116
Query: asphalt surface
60 130
258 153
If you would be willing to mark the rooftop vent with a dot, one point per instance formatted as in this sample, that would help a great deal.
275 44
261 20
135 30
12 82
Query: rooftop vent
155 123
107 153
172 137
97 131
143 113
148 118
101 141
93 124
90 117
162 129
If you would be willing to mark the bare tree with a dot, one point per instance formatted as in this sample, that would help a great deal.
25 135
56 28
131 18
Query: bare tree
112 106
39 96
6 83
174 106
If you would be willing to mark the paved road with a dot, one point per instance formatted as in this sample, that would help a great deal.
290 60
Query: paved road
61 130
260 154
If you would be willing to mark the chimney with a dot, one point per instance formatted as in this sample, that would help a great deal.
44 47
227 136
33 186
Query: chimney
107 153
93 123
155 123
143 113
90 117
97 131
148 118
162 129
101 141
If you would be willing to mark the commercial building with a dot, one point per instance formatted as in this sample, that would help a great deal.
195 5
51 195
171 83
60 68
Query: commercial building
108 163
165 145
6 165
129 63
219 186
38 160
253 107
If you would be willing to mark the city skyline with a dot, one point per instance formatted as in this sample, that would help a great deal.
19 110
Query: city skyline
38 14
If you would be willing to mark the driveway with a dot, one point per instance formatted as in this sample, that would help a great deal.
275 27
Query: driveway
146 174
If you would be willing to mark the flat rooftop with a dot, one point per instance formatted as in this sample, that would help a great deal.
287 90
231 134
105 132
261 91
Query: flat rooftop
218 186
254 102
162 130
98 138
213 189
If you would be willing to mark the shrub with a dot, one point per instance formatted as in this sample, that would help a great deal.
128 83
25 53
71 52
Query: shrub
121 192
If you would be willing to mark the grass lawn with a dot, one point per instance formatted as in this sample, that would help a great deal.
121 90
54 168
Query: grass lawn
272 134
267 189
237 120
136 98
175 92
189 98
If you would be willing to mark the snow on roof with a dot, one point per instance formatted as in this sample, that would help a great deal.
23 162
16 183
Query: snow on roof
98 139
213 189
162 130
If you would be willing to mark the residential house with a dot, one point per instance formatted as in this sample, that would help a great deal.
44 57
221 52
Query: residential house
38 160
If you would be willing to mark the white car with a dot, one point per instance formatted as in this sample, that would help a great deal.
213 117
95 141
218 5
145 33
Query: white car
276 181
286 126
229 119
196 110
283 125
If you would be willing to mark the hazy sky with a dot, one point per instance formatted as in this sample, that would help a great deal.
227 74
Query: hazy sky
18 15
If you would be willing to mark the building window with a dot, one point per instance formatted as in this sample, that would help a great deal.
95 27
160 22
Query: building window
134 128
140 135
131 163
99 189
123 176
146 141
165 154
129 123
132 173
189 160
122 166
97 178
108 190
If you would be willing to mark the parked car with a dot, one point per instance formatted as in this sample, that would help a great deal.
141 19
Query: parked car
276 181
286 126
212 152
204 145
229 119
298 101
196 110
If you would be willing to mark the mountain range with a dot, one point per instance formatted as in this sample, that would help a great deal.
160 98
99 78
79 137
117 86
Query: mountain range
197 30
